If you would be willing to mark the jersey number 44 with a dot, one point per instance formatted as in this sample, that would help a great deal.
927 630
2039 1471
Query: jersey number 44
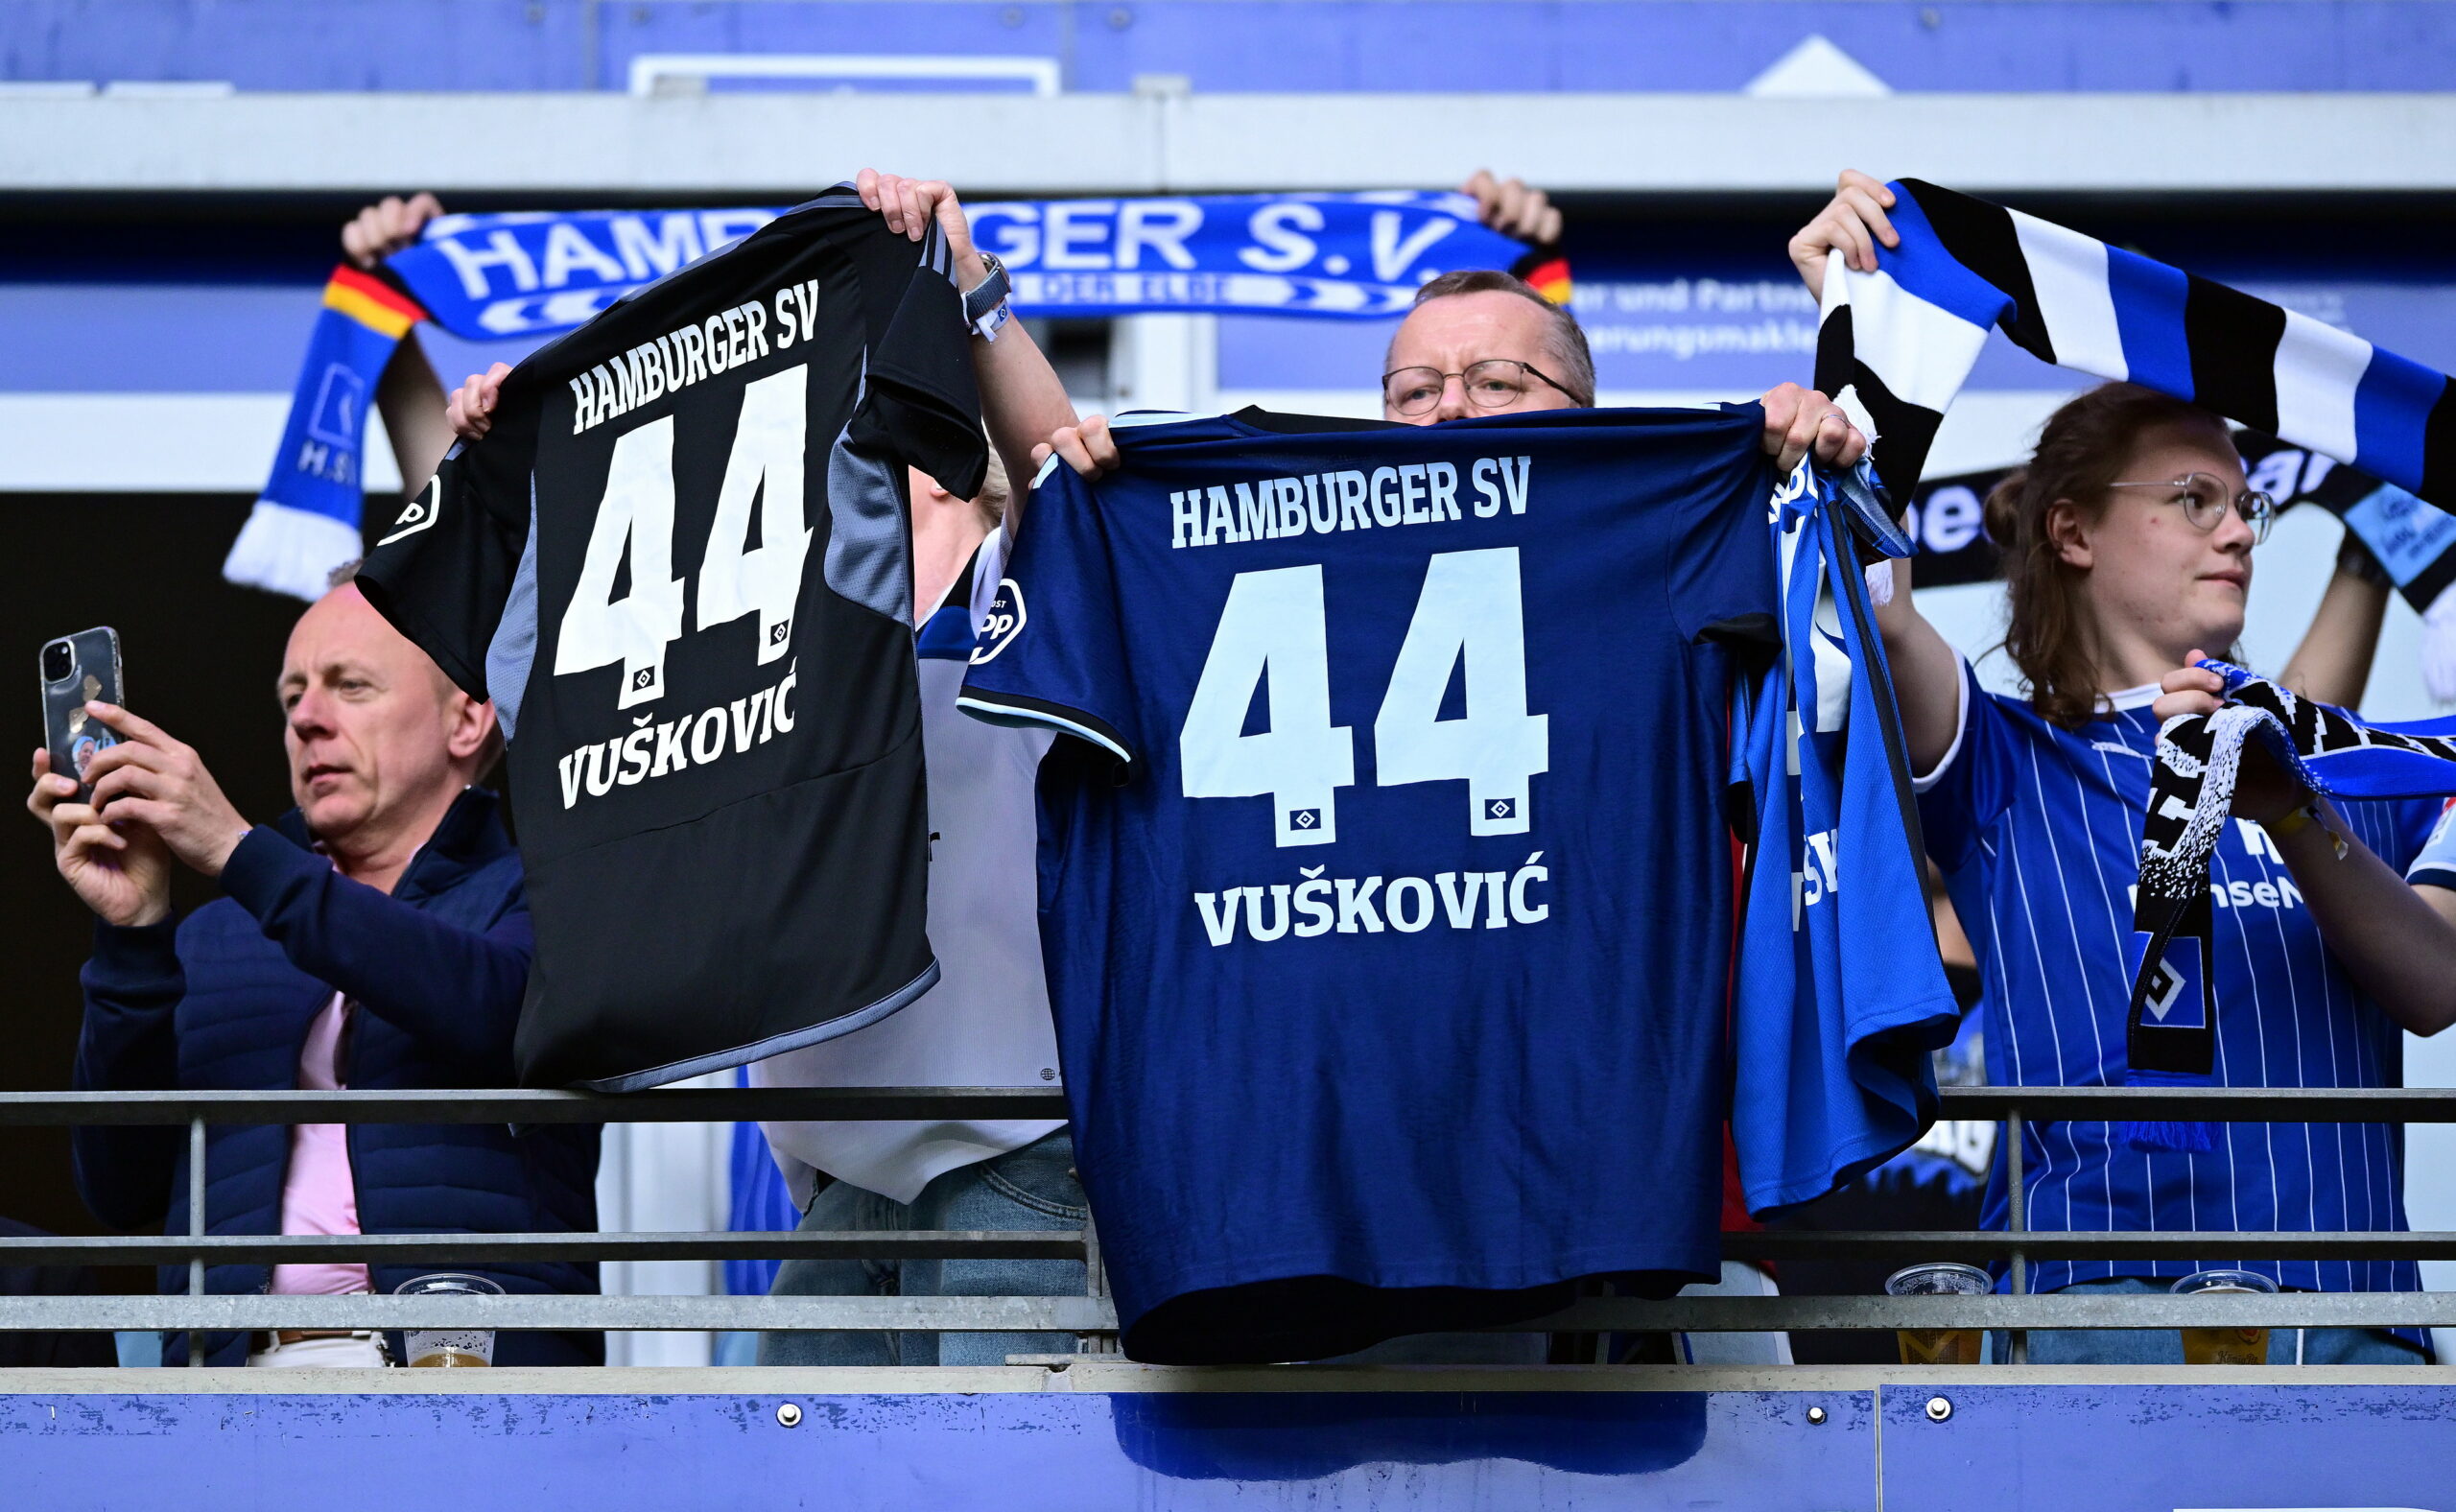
1274 625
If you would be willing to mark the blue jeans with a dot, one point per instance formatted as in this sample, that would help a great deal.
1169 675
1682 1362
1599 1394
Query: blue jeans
2120 1346
1031 1188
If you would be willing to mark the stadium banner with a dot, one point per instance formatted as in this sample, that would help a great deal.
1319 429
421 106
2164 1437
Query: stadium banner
535 273
1353 256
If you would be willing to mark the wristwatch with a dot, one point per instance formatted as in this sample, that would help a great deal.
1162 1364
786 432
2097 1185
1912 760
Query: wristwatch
986 307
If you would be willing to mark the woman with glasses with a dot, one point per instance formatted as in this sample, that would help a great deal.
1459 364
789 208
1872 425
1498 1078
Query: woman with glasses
2127 545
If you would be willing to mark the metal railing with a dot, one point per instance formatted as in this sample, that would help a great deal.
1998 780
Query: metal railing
1091 1317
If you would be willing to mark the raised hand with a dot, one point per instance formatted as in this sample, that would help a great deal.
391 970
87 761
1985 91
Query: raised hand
122 872
1513 208
160 784
909 207
1088 448
472 410
1853 224
388 226
1799 421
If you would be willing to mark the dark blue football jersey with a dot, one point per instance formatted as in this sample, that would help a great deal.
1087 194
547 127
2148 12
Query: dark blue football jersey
1385 896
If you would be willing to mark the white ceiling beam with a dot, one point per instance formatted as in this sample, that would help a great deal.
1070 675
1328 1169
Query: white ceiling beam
1630 143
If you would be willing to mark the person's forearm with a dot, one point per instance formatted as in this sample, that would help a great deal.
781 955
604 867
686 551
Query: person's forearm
457 990
126 1042
1022 399
411 398
2333 662
1926 676
2394 946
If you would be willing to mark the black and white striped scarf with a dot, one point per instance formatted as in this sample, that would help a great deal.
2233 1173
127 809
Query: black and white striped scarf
1895 345
2171 1031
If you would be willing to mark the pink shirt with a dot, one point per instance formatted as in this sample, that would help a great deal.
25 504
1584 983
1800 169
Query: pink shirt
318 1196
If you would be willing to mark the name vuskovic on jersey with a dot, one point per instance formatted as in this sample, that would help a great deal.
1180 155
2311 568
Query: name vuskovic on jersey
652 750
684 356
1326 503
1319 905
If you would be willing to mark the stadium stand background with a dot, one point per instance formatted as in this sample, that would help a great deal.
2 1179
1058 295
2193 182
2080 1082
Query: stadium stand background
173 174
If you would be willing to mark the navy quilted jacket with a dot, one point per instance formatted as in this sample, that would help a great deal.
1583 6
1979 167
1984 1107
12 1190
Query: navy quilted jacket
224 1000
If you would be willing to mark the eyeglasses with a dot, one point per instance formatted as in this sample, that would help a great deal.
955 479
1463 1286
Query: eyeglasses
1493 383
2206 499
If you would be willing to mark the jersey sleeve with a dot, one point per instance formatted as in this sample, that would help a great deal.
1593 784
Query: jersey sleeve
443 570
920 405
1970 788
2435 865
1721 577
1052 650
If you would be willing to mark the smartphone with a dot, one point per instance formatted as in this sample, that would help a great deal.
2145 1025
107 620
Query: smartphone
76 669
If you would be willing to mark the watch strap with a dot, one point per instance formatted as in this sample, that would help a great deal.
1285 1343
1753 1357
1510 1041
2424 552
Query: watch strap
985 306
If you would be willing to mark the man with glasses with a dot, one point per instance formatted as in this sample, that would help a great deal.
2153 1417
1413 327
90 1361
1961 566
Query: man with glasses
1486 342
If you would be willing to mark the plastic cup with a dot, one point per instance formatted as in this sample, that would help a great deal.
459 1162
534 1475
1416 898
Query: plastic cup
445 1347
2225 1346
1939 1346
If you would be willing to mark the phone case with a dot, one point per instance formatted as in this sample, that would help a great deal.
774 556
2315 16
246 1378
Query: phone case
73 736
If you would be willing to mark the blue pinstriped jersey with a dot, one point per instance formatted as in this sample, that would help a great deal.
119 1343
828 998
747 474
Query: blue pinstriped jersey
2037 830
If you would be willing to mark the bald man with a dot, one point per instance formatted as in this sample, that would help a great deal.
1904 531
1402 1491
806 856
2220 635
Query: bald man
376 936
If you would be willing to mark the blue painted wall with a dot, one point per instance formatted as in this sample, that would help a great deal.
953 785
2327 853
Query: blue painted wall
1243 45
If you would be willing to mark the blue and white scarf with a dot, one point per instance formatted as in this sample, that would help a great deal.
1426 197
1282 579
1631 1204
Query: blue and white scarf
1355 256
1895 345
531 274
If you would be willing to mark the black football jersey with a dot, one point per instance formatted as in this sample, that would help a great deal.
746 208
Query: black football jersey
680 565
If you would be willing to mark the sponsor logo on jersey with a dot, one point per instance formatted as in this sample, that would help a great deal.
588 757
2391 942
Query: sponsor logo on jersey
419 513
1004 621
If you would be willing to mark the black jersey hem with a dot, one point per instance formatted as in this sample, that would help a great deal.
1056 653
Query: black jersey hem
774 1045
1015 708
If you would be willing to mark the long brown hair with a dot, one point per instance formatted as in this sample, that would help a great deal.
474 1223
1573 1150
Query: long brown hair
2082 449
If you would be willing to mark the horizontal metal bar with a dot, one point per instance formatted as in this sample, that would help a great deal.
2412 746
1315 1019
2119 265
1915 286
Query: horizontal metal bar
1096 1315
456 1105
2051 1311
445 1249
1775 1245
1780 1244
175 1313
751 1105
2207 1104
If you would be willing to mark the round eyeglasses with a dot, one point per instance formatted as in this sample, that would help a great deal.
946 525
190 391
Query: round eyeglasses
1493 383
2206 498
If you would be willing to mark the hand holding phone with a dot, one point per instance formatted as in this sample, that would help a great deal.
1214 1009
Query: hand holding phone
78 670
122 874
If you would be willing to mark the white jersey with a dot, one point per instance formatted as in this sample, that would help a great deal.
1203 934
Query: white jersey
986 1023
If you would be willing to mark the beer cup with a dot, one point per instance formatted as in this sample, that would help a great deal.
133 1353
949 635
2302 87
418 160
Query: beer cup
448 1346
2225 1346
1939 1346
